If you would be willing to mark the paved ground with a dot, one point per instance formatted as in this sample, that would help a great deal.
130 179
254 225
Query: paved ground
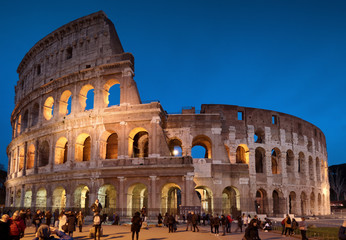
155 233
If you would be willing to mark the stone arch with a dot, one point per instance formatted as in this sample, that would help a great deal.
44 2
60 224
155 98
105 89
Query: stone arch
205 195
231 201
261 202
27 198
83 96
43 154
35 111
318 169
292 203
59 198
278 202
303 203
228 151
41 198
17 198
64 102
25 120
21 159
205 142
61 150
30 156
109 145
107 196
290 161
19 123
242 154
14 162
175 146
311 168
83 148
138 143
312 203
170 198
319 202
81 197
260 160
275 161
48 108
301 163
137 198
259 136
110 84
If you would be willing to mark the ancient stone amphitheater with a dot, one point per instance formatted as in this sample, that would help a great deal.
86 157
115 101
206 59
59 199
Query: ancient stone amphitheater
71 146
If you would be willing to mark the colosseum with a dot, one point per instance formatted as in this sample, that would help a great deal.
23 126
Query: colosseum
70 146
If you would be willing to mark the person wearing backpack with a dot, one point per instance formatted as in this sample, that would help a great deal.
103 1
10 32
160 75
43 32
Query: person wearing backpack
97 225
136 225
288 225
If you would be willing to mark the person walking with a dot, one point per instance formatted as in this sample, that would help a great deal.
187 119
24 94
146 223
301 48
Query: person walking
171 221
97 225
4 227
80 220
224 222
342 231
62 220
294 226
159 220
211 221
239 224
189 221
136 225
216 224
303 228
283 226
71 223
96 207
37 219
17 226
48 217
229 223
194 221
251 232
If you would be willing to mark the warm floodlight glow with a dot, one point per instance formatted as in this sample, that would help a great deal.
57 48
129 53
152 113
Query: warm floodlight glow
175 152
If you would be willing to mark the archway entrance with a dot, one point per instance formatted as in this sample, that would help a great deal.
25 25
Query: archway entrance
231 201
81 197
137 198
107 197
292 204
261 202
41 199
59 198
27 199
170 198
205 195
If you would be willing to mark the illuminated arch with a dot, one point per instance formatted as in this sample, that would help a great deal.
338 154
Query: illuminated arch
30 157
48 108
175 146
107 196
205 142
312 203
61 149
205 195
83 95
137 198
107 89
242 154
81 197
83 148
28 198
138 143
231 201
21 159
59 198
63 104
170 198
41 198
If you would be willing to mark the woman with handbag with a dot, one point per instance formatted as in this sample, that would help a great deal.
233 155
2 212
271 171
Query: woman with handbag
17 226
62 221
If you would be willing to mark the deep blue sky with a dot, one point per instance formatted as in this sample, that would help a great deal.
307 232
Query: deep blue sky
287 56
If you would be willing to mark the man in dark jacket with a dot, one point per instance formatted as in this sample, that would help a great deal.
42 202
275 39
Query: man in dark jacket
4 227
171 222
97 225
194 220
71 223
37 219
189 221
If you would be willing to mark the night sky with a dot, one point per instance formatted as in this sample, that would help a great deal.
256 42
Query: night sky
287 56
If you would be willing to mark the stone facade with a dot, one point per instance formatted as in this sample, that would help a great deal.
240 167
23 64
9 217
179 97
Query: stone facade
65 154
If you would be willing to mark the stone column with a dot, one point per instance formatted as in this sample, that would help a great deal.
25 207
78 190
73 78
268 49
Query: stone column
25 157
49 200
121 197
123 141
153 137
51 153
17 161
36 157
189 189
22 196
153 206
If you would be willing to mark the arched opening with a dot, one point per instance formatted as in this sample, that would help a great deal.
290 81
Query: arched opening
48 108
43 154
81 197
14 162
292 203
61 149
275 157
27 199
301 163
319 202
19 124
318 170
34 114
112 146
86 97
170 198
205 195
290 161
259 160
240 155
204 142
107 197
279 203
175 147
83 148
311 168
59 198
25 120
17 199
312 203
261 202
231 201
137 198
21 159
65 103
303 203
259 136
30 157
112 93
139 143
41 199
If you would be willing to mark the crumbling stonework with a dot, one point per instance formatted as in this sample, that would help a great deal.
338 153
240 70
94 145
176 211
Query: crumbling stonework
133 155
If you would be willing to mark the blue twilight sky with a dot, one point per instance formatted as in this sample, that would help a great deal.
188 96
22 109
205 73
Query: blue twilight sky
287 56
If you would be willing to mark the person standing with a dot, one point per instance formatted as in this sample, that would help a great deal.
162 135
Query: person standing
211 221
97 225
171 222
303 228
136 225
37 219
288 225
224 222
56 218
96 207
342 231
4 227
189 221
48 218
216 223
194 221
239 224
17 226
159 220
71 223
80 220
229 223
251 232
62 220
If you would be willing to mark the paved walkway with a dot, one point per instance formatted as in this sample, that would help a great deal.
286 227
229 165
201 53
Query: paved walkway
156 233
